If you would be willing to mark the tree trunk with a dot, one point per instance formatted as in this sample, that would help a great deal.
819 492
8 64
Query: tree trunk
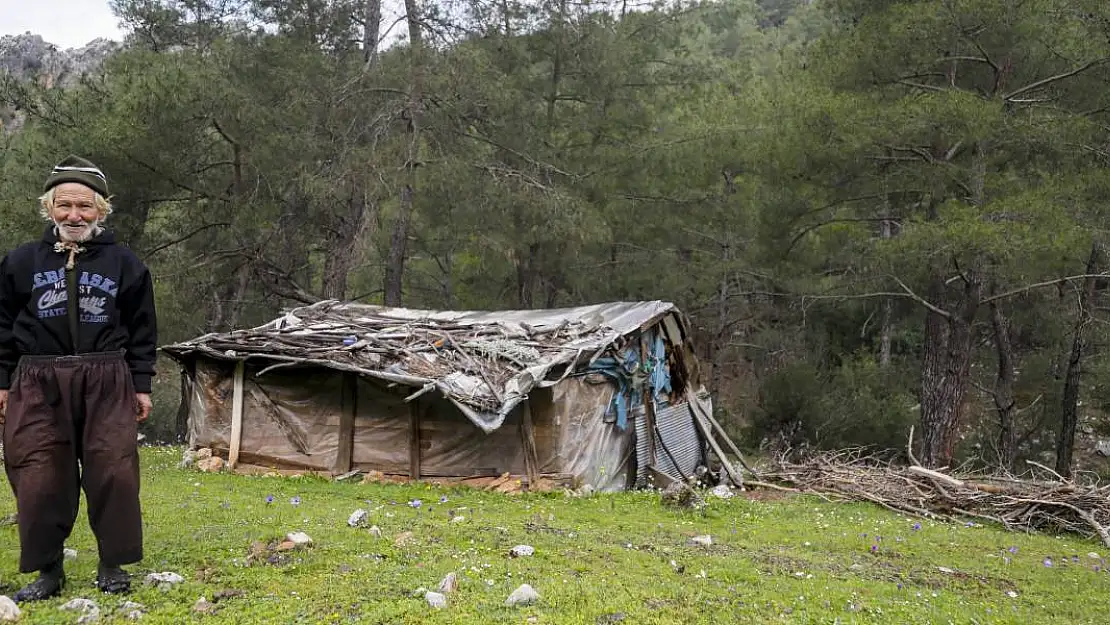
526 274
343 249
947 362
371 32
1004 389
888 305
1069 414
398 250
398 244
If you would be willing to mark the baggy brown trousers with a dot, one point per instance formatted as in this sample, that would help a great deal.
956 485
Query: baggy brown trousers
70 424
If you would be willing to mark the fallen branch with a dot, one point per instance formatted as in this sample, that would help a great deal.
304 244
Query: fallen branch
1016 504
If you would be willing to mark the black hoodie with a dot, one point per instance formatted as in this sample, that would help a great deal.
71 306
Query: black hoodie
114 311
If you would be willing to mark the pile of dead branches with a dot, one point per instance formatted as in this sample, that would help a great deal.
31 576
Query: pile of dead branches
1042 502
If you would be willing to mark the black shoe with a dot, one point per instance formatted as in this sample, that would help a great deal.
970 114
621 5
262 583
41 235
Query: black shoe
112 579
49 584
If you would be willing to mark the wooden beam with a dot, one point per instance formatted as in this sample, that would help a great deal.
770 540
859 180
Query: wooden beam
649 402
349 408
236 414
707 432
528 437
724 435
414 440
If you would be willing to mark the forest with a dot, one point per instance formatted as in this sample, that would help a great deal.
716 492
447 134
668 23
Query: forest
877 213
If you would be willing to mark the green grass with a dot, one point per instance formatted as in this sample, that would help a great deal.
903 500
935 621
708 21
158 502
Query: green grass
601 559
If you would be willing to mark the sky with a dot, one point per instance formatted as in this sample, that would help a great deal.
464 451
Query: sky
65 23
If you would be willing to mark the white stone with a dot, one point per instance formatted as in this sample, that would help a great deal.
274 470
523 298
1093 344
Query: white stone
358 518
165 580
449 584
435 600
70 554
723 491
524 595
81 604
704 541
90 612
522 551
202 606
9 611
299 538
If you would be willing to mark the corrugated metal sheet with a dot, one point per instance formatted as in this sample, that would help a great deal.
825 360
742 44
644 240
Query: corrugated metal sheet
680 436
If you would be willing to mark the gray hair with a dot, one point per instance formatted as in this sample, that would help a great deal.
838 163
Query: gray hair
46 202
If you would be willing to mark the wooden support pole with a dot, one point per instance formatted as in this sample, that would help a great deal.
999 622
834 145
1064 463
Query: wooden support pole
724 435
414 440
236 414
528 437
705 430
349 408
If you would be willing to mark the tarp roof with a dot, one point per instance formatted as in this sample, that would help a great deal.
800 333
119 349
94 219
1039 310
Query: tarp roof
485 362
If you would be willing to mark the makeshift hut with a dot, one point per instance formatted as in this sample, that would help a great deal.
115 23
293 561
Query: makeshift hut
602 395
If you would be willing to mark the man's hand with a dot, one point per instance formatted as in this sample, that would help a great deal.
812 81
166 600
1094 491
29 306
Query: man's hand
3 405
143 406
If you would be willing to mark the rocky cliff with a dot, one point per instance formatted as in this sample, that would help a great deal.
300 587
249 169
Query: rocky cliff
30 57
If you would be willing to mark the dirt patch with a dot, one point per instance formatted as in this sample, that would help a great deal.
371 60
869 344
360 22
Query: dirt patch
877 568
766 494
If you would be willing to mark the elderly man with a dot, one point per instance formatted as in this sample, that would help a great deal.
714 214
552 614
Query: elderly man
77 353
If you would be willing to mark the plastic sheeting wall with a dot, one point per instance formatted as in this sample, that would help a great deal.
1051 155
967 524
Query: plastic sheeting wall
291 418
571 422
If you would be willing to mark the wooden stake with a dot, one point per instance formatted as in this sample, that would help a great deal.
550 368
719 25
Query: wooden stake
414 440
349 408
724 435
704 427
236 415
527 434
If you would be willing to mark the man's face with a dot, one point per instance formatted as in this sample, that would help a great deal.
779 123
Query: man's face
74 212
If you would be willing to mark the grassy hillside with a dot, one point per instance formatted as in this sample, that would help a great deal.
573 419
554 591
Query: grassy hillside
600 559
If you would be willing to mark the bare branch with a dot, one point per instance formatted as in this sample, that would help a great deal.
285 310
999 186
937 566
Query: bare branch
1039 285
974 59
1051 79
921 300
827 222
922 86
182 239
986 57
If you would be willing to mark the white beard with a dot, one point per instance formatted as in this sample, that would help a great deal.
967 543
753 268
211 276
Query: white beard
64 234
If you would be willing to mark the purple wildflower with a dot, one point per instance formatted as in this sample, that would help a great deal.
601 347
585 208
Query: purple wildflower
899 585
916 526
443 499
1048 562
269 499
1013 549
296 501
415 503
874 549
